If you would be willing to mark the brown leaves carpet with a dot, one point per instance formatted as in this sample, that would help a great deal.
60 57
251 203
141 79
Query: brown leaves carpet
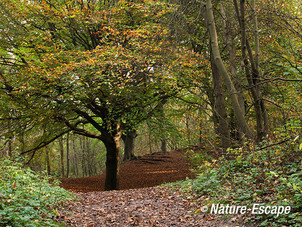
147 171
138 203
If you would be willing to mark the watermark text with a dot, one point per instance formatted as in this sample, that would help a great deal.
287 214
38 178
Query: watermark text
255 209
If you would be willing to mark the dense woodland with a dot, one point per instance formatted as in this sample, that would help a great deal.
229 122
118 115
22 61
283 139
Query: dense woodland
86 84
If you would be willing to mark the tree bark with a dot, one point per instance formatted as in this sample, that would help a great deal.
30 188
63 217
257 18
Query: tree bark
76 160
249 75
163 135
129 145
220 107
188 131
257 51
252 74
62 156
224 73
112 144
232 59
47 161
163 146
67 155
89 158
10 139
83 160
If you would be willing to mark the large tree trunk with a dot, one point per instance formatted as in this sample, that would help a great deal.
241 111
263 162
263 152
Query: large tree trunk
112 144
220 107
224 73
129 145
163 146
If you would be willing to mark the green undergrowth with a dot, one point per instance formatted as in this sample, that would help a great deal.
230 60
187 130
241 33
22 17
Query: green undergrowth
27 198
269 174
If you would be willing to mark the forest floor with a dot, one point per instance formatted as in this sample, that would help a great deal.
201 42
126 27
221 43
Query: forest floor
147 171
139 203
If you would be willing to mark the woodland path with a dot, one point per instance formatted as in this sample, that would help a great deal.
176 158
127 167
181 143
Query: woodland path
138 203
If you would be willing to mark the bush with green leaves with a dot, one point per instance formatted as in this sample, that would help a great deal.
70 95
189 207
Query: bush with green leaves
269 173
27 198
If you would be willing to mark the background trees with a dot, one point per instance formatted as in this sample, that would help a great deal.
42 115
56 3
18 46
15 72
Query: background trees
176 73
80 63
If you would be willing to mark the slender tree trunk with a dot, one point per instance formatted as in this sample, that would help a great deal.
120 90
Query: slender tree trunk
76 161
232 60
253 73
224 73
10 139
67 155
163 134
112 144
255 30
47 160
62 155
188 128
149 138
249 75
84 169
200 130
257 53
89 161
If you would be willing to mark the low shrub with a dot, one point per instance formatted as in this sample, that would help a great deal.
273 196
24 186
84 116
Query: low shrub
269 174
27 198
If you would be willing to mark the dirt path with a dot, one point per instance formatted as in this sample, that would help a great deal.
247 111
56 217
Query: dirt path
138 203
155 206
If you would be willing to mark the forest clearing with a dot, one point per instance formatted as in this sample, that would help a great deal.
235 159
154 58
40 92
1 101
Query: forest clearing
150 113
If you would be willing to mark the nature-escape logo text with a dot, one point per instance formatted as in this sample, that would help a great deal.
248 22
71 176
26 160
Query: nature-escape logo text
256 209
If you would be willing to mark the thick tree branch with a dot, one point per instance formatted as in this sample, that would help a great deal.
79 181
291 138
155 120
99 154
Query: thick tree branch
82 132
90 120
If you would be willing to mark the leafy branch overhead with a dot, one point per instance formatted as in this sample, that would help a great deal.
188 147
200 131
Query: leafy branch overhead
89 61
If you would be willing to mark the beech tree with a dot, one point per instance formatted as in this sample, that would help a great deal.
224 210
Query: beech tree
78 63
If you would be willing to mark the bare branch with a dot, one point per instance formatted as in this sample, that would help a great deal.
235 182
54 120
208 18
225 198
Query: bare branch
45 143
275 144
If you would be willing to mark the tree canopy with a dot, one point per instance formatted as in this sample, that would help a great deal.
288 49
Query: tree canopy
101 68
69 64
